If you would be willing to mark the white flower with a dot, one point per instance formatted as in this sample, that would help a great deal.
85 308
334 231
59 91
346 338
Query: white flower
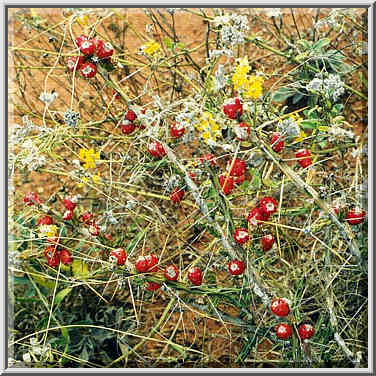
220 78
48 98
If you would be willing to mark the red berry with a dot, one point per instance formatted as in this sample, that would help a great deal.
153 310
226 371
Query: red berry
70 203
335 210
104 50
156 149
98 43
52 256
304 156
355 216
177 195
254 216
88 70
65 257
87 47
171 273
87 217
108 236
236 267
115 94
130 115
75 62
120 255
239 167
233 110
46 220
32 198
54 241
242 131
127 127
208 158
195 276
177 130
93 229
306 331
81 39
152 286
283 331
267 242
192 175
152 261
141 264
280 307
241 235
277 142
268 205
68 215
227 183
239 179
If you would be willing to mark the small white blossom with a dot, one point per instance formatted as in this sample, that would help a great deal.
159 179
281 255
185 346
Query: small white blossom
48 98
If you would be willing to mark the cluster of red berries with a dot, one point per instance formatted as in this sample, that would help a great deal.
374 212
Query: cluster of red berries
281 309
94 50
88 219
267 206
55 256
236 170
234 111
128 124
303 156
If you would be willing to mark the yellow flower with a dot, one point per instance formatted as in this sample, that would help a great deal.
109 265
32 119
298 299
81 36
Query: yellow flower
48 231
85 180
82 20
151 47
301 137
254 87
209 128
239 79
89 157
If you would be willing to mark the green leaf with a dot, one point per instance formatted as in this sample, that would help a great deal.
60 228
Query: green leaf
282 94
297 97
309 124
305 44
167 41
61 295
320 44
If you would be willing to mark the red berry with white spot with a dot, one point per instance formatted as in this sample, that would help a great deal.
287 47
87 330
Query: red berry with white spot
65 257
46 220
208 158
75 62
52 256
268 205
115 95
306 331
242 131
93 229
152 286
241 235
304 157
68 215
177 130
236 267
120 255
171 273
87 217
195 276
233 110
192 175
267 242
70 202
141 264
239 179
152 261
130 115
355 216
277 142
280 307
32 198
127 127
283 331
254 216
227 184
87 47
238 168
81 39
156 149
177 195
104 50
88 70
